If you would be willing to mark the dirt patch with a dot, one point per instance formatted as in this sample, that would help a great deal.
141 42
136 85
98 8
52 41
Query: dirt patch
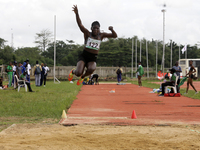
101 137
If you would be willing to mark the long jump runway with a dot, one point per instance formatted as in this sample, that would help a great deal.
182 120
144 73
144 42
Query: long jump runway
96 105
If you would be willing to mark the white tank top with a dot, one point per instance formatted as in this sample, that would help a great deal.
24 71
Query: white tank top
93 43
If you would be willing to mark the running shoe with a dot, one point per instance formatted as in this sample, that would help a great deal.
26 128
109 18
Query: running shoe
80 81
71 75
196 93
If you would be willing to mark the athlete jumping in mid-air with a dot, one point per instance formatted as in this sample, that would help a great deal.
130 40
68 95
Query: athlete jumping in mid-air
92 45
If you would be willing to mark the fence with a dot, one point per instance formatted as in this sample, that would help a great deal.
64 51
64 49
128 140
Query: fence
63 71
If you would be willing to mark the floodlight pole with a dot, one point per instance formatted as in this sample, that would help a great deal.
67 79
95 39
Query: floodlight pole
54 69
140 50
147 59
186 52
136 55
163 10
132 60
12 44
171 55
156 57
179 53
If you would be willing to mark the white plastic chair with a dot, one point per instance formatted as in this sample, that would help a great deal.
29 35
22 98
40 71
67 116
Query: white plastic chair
173 87
21 83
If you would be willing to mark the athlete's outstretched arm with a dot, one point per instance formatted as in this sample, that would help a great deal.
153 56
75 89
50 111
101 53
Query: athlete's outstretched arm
78 20
110 35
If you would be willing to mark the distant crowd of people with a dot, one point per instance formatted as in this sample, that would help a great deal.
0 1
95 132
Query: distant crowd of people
17 70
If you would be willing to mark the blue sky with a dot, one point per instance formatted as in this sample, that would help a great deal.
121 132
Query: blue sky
25 18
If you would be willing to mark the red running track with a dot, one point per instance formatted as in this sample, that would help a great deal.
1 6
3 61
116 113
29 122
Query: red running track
96 105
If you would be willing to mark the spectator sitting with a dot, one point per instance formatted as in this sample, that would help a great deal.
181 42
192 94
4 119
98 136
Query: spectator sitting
166 76
92 76
169 83
24 67
1 83
23 77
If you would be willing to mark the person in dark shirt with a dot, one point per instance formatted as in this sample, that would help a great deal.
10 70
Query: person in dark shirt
169 83
19 70
94 76
42 74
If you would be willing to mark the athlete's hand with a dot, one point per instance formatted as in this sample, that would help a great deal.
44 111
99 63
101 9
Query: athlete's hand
75 9
110 28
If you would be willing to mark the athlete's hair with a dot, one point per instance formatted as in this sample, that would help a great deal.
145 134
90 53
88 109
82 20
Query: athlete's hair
95 23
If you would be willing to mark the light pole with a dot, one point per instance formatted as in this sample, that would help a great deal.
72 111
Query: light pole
147 59
179 53
12 45
54 68
136 55
132 61
156 57
163 10
171 55
140 49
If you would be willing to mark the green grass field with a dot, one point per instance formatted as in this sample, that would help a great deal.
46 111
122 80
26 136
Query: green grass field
44 105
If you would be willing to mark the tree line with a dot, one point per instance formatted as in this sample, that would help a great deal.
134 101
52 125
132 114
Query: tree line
113 52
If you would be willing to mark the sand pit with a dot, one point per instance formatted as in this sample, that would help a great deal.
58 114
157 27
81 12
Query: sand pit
162 123
98 137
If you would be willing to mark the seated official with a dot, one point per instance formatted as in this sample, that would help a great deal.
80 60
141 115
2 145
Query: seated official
1 83
92 76
23 77
169 83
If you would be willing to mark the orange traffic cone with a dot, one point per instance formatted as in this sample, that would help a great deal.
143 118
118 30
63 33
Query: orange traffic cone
133 115
112 91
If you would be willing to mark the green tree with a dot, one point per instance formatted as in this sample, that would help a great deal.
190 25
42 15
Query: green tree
7 55
66 54
43 38
2 43
33 54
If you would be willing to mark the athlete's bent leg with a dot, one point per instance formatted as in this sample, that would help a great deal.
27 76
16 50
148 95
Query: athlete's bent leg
188 82
91 66
191 83
79 68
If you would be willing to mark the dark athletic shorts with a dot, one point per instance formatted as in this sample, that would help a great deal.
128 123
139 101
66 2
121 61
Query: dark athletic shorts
191 76
88 57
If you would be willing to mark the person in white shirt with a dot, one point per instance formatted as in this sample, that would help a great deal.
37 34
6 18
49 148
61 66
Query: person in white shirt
14 72
45 73
28 71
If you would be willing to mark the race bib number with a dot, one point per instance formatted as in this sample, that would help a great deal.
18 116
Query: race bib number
93 44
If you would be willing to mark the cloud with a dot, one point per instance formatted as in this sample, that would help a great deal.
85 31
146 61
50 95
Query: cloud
142 18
